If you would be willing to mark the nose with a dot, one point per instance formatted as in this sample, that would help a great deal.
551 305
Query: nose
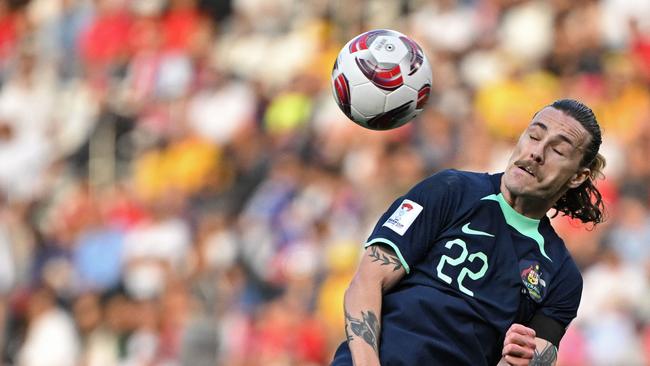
538 156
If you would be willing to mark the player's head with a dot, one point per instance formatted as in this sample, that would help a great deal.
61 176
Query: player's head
556 160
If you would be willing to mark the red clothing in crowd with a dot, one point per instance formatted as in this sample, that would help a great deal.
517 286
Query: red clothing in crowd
106 40
8 34
179 27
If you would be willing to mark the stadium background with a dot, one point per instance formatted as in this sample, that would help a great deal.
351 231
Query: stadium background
179 188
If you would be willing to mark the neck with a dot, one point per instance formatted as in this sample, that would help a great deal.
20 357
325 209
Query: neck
535 208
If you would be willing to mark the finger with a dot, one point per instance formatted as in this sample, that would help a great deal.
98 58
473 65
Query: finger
518 328
521 329
516 361
522 340
516 350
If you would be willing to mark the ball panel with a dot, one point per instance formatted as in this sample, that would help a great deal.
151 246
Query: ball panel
411 116
358 118
391 118
347 64
401 96
335 68
423 96
385 78
415 54
364 40
367 99
388 50
342 93
420 77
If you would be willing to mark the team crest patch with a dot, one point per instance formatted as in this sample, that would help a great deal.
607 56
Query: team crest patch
531 277
403 217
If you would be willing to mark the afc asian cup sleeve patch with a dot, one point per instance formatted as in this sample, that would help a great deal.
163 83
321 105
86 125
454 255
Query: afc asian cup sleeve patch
403 216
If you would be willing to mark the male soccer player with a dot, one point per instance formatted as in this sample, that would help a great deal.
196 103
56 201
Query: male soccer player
465 269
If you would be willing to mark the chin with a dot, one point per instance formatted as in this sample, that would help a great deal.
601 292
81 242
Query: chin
514 182
522 188
516 189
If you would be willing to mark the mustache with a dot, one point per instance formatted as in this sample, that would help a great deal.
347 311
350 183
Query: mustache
523 163
527 164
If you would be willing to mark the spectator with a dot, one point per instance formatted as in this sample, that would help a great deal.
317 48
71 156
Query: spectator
51 336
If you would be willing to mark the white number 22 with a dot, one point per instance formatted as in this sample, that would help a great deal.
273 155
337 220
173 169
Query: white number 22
464 272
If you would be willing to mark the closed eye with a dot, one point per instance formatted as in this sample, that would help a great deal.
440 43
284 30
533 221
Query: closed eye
534 138
558 152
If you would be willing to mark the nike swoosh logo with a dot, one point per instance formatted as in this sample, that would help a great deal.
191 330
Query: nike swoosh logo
469 231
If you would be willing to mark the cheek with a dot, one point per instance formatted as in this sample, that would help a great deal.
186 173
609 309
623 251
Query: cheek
560 175
519 147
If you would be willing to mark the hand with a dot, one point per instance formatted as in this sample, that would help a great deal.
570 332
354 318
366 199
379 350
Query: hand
519 345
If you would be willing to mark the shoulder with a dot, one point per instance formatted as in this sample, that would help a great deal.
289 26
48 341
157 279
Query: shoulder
454 180
452 190
570 270
566 263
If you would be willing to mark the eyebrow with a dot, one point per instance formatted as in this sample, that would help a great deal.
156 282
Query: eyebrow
545 128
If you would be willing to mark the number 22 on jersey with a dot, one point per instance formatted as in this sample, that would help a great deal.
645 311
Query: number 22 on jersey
461 259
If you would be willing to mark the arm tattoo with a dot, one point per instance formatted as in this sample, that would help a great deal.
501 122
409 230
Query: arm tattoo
348 318
366 328
386 260
545 357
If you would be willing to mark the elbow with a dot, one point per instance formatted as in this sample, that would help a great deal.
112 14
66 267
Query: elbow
364 285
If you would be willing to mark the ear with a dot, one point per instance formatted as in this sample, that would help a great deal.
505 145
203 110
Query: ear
579 177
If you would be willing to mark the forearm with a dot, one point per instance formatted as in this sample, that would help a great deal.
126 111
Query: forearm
545 354
362 305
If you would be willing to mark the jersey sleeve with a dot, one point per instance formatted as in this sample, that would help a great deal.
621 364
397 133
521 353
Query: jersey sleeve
564 297
412 222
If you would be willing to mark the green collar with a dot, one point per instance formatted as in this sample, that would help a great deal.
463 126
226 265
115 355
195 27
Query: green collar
524 225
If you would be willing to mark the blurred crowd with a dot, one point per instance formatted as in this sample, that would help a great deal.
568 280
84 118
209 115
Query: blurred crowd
178 187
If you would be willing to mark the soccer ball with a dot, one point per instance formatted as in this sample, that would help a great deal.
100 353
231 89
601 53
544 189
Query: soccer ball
381 79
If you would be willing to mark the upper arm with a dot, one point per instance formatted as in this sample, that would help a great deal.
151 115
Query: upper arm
547 328
380 265
564 297
560 307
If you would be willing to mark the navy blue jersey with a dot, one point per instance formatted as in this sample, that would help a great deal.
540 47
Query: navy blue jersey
474 267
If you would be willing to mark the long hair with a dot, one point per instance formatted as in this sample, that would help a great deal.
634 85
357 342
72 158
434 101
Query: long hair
584 202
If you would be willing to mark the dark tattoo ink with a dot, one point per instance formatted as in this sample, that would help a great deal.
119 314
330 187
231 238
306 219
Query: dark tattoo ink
366 328
348 336
385 260
545 357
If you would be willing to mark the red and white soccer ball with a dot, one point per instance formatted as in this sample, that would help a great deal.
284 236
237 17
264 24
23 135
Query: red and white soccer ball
381 79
